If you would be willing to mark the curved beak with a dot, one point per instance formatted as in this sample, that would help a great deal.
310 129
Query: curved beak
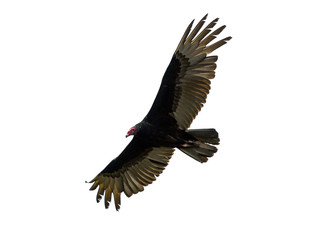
127 135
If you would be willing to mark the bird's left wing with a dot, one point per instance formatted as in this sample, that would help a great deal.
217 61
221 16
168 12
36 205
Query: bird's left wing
186 82
137 166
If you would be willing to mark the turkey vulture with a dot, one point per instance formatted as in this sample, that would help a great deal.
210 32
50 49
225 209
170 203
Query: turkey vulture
183 91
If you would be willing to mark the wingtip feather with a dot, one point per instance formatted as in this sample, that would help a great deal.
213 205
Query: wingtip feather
205 17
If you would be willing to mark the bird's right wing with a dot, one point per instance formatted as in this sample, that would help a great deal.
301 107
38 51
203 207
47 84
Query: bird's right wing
137 166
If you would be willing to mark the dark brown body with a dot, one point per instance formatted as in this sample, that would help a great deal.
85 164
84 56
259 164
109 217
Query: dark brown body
163 136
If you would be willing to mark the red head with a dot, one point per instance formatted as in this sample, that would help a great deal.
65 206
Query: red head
132 131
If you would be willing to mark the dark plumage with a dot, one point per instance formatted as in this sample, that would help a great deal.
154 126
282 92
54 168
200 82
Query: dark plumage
182 93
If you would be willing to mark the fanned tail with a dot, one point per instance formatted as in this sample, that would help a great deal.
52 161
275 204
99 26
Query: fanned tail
203 148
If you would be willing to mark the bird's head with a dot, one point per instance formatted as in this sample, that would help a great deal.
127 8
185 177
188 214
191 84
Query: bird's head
133 131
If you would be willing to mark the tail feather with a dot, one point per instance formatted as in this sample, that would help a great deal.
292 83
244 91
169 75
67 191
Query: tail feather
205 149
209 135
202 148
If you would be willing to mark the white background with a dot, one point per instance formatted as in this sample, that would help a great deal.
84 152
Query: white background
76 75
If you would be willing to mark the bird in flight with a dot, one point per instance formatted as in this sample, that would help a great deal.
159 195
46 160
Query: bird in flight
183 91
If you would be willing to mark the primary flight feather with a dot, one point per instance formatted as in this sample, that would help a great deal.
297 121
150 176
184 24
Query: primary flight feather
183 91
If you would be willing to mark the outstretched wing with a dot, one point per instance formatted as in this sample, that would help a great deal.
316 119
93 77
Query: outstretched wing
186 82
136 167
